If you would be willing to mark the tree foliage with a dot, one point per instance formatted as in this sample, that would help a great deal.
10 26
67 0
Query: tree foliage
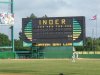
32 16
91 44
4 40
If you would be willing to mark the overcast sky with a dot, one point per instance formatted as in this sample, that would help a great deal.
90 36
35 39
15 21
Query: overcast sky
58 8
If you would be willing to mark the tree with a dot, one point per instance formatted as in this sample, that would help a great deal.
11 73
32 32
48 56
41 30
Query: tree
19 45
45 16
4 40
19 42
32 16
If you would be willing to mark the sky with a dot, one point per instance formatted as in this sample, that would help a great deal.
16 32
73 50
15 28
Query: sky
58 8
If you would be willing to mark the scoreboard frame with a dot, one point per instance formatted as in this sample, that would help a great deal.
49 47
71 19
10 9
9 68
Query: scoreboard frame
46 31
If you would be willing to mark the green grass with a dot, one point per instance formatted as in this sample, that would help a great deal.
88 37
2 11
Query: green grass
50 67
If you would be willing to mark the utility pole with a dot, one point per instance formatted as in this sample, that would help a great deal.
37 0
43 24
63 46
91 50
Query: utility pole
92 39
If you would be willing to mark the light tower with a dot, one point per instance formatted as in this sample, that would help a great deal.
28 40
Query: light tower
8 21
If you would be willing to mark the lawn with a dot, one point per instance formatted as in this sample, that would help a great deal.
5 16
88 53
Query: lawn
49 67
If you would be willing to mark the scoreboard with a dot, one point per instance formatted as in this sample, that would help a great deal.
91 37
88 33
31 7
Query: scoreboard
55 31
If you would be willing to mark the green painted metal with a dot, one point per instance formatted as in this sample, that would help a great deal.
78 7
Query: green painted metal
52 52
12 7
76 28
5 2
12 37
27 32
27 44
5 47
7 55
28 28
35 52
58 52
89 55
12 28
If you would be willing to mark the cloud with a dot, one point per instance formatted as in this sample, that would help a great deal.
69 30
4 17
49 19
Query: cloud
57 8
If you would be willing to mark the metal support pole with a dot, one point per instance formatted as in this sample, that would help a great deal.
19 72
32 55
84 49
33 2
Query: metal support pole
92 39
12 28
96 34
12 11
12 38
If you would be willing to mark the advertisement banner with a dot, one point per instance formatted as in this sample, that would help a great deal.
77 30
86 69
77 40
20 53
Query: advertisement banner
6 19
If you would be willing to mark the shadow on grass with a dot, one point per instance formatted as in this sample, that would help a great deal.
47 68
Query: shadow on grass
31 71
16 71
73 73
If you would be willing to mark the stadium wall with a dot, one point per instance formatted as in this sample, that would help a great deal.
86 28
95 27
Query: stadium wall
57 52
7 55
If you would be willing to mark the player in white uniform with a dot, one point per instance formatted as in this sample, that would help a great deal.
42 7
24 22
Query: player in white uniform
75 55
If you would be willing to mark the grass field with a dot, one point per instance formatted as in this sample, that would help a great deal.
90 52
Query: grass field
49 67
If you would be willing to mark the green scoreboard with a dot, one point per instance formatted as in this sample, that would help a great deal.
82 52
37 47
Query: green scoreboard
54 31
